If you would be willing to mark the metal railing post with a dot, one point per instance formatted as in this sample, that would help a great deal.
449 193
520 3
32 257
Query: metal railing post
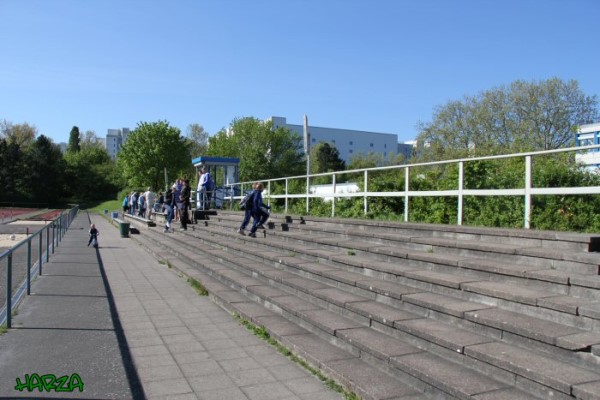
527 191
53 237
333 198
9 291
28 266
47 243
40 251
366 190
460 193
406 187
286 195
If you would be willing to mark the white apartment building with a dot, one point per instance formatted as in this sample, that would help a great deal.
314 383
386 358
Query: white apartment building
115 138
587 136
349 142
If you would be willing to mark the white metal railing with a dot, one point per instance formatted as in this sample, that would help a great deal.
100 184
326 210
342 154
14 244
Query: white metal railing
235 191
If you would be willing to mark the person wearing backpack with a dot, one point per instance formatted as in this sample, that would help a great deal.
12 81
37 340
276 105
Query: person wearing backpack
259 213
246 205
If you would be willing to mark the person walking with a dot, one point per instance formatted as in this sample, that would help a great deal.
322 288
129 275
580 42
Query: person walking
258 213
184 199
247 210
150 200
168 208
93 236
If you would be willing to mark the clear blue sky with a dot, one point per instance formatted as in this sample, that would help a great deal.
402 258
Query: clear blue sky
376 65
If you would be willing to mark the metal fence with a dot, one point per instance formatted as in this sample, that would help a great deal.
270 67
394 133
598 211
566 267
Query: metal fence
526 190
20 264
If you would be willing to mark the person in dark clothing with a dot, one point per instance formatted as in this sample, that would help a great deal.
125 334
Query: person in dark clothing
184 198
93 236
248 210
259 213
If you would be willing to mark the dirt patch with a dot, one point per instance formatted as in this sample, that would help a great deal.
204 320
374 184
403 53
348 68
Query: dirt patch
9 240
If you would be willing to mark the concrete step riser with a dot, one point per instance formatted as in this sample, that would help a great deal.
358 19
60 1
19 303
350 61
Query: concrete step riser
553 315
562 265
495 371
518 237
306 324
491 332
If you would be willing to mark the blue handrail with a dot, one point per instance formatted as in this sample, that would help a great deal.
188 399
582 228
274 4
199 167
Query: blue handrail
59 226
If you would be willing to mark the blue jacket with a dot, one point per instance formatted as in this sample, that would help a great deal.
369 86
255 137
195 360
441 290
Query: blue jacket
257 202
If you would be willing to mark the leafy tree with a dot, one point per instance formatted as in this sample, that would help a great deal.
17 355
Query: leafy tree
89 139
21 134
520 117
44 165
264 152
90 173
11 159
74 140
325 158
150 148
197 138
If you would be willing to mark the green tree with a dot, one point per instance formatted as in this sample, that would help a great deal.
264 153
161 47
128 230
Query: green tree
325 157
21 134
150 148
74 140
11 163
45 167
264 152
520 117
89 139
90 174
197 138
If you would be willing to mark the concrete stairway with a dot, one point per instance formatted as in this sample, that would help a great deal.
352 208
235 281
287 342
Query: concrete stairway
410 310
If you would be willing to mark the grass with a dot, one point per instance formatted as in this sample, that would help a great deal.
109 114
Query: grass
351 253
263 333
3 329
198 287
110 205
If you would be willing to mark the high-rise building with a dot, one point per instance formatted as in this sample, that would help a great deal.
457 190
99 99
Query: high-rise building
115 138
350 142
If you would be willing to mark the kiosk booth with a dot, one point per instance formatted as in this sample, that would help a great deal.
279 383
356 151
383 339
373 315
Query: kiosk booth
223 171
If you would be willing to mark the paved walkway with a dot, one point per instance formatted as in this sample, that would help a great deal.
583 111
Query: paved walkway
132 329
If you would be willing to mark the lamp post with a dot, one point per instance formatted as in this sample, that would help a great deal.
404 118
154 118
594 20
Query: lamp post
307 153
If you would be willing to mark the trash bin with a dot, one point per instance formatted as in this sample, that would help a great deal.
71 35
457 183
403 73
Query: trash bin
124 229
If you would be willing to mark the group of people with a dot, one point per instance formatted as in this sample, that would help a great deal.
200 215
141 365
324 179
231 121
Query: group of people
142 204
255 208
175 203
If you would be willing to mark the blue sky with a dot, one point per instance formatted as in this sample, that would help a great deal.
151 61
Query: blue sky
376 65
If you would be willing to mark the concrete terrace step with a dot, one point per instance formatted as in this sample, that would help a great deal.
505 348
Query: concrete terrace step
562 259
535 238
402 271
560 250
560 307
544 275
353 334
326 322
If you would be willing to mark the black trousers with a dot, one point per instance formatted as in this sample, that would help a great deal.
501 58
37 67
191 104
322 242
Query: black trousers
184 219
